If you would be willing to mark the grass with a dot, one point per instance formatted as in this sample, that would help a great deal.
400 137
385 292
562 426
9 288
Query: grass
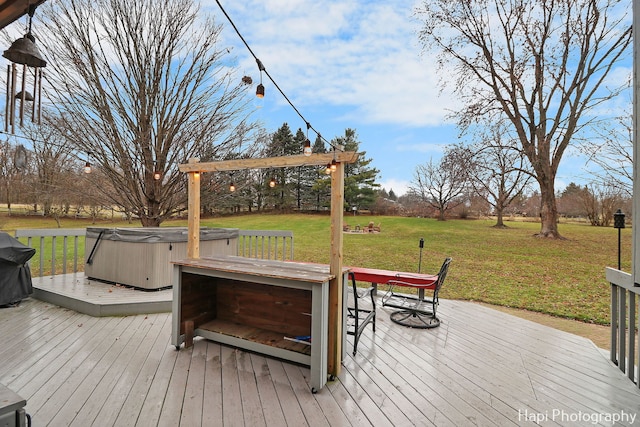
507 267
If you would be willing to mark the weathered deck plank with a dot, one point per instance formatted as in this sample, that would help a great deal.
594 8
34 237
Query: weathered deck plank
480 367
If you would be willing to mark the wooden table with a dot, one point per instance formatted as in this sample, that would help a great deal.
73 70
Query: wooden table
255 304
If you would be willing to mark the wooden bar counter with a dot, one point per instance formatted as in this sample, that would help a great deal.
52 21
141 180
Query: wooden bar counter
258 305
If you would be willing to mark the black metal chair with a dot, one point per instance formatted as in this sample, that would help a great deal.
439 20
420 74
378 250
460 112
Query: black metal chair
360 316
416 311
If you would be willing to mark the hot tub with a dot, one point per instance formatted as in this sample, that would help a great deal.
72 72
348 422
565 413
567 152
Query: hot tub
141 257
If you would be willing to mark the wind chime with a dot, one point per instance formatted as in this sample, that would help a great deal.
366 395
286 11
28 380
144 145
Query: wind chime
24 52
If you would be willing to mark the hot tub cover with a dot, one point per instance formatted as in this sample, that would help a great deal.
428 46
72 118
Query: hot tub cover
158 234
15 275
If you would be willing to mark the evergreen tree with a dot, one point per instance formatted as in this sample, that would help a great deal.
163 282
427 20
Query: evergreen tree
321 189
359 179
283 143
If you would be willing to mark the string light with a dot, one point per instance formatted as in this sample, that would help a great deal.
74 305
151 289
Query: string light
260 88
307 143
87 165
272 183
157 175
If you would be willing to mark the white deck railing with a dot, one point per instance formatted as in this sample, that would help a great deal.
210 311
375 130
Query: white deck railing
624 322
68 255
266 244
45 241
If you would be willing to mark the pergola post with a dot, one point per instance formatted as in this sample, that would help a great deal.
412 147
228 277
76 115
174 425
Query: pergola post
193 237
335 268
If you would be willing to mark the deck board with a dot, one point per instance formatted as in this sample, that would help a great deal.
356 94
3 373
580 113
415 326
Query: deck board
480 367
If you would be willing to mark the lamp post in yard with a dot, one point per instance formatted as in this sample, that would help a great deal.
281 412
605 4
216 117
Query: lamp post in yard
618 222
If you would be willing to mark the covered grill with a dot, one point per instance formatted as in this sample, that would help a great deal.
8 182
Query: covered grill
15 275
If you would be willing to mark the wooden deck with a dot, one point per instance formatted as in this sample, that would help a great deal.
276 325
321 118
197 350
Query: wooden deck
96 298
480 367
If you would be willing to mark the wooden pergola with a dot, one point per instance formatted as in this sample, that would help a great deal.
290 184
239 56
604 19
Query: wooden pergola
194 168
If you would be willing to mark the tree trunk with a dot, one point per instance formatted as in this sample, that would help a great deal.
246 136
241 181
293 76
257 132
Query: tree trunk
500 215
548 213
150 222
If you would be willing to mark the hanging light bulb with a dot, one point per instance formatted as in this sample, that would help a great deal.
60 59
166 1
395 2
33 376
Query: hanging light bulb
272 183
328 169
87 165
232 186
334 165
157 175
307 144
260 88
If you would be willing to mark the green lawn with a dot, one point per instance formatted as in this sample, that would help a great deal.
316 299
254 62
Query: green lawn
508 267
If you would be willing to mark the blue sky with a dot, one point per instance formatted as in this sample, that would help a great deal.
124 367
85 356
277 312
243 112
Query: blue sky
352 64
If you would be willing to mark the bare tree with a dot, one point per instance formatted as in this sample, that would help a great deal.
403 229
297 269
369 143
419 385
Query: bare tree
142 88
541 64
500 171
9 174
17 170
612 152
55 169
442 185
600 202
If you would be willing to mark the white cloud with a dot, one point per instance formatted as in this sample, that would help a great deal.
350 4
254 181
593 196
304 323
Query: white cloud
355 54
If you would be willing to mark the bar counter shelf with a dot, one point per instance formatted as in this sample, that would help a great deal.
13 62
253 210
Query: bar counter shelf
264 306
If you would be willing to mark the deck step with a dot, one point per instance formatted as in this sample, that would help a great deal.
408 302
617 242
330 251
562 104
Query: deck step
98 299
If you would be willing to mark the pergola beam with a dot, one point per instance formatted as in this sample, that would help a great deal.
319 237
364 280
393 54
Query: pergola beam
315 159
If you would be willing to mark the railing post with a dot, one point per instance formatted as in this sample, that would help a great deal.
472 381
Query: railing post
613 354
622 329
64 255
632 336
41 256
53 255
75 254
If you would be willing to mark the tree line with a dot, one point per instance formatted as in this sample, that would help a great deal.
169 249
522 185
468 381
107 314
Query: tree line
53 179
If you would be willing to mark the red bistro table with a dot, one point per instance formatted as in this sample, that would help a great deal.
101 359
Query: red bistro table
376 276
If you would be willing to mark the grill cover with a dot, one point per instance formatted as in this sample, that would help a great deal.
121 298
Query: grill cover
15 275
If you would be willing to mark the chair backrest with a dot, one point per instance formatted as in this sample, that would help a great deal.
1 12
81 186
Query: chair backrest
442 274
